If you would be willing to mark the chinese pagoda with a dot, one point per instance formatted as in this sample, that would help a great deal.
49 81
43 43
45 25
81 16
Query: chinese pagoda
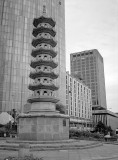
43 122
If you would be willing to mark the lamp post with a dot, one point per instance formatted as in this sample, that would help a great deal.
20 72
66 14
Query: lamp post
109 116
69 97
93 117
22 95
69 105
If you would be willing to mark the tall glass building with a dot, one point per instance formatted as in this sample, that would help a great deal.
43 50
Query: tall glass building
16 25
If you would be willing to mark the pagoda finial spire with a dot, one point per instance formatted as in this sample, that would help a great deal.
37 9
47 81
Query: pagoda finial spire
44 9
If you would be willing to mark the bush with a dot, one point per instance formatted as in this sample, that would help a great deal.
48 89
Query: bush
96 135
74 133
86 133
115 137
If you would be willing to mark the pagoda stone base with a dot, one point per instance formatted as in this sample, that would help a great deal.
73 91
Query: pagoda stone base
43 127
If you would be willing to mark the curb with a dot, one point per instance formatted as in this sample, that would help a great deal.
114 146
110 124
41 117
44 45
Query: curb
16 141
65 147
49 148
105 158
114 143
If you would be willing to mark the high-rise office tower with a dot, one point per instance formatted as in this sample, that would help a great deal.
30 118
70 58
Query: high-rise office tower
88 66
16 25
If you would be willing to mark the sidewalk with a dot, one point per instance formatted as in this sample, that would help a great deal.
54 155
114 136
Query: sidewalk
99 153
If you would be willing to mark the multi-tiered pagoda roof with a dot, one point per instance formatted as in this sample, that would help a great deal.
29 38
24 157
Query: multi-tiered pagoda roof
43 63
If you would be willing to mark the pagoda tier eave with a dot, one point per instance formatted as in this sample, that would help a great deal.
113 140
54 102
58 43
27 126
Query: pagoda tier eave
43 19
51 63
42 99
38 30
43 51
37 41
51 75
41 86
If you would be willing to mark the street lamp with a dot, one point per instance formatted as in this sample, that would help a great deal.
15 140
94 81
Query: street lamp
69 105
22 82
69 97
109 116
93 117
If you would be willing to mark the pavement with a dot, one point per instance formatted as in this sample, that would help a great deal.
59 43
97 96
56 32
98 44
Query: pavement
101 152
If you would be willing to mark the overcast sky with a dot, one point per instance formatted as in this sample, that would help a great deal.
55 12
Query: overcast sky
93 24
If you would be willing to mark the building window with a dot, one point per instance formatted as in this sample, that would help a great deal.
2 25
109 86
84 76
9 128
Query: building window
64 122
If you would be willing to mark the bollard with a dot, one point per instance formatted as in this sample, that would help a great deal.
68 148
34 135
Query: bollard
24 150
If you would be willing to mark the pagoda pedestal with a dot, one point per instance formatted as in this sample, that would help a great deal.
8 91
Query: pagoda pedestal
43 122
43 127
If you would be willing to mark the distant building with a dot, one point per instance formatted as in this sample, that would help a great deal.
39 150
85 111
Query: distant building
107 117
89 67
78 102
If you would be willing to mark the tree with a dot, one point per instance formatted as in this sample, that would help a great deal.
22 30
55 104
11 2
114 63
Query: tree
60 108
14 114
108 129
100 127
